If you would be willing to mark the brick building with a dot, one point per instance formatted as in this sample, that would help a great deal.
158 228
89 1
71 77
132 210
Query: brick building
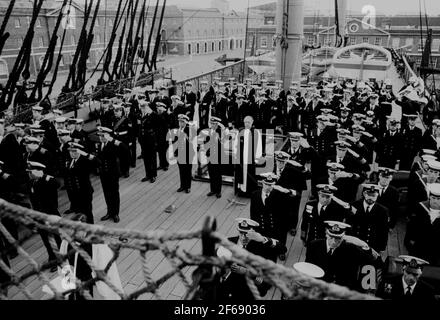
389 31
184 31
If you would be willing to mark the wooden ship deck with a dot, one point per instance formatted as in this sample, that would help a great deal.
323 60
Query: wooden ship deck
143 208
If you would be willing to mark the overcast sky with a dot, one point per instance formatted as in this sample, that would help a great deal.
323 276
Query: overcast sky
382 6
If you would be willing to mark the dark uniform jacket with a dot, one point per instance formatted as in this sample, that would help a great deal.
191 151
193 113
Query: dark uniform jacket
77 178
291 118
190 100
107 159
215 152
312 226
389 149
183 148
343 266
107 118
235 287
148 134
412 144
82 138
262 113
123 130
302 155
269 214
44 195
429 141
220 109
390 200
423 236
392 289
371 228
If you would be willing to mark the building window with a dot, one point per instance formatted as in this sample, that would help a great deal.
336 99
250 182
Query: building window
110 22
219 46
98 38
212 47
352 40
72 40
418 61
38 24
41 42
269 20
189 48
206 47
310 40
365 40
241 44
97 22
198 48
435 45
236 43
263 42
19 42
17 23
378 41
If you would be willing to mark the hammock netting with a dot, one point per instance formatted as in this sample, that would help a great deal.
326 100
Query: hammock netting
196 272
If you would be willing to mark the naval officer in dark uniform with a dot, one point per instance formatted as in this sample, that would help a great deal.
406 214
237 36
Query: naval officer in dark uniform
341 256
106 156
148 141
408 286
184 151
216 156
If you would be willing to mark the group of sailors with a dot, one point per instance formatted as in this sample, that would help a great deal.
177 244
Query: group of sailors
336 130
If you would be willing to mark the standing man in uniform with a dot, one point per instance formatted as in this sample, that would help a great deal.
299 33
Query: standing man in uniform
106 156
184 152
123 131
44 198
412 142
326 207
422 237
163 127
189 98
77 181
341 256
370 222
388 195
268 209
205 98
389 147
148 141
215 156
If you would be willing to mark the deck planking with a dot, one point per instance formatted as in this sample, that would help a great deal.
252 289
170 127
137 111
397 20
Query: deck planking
142 208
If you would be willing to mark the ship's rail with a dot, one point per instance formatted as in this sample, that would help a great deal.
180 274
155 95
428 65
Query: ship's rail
230 71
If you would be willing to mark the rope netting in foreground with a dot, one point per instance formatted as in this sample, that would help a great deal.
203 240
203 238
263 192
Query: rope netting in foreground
199 284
